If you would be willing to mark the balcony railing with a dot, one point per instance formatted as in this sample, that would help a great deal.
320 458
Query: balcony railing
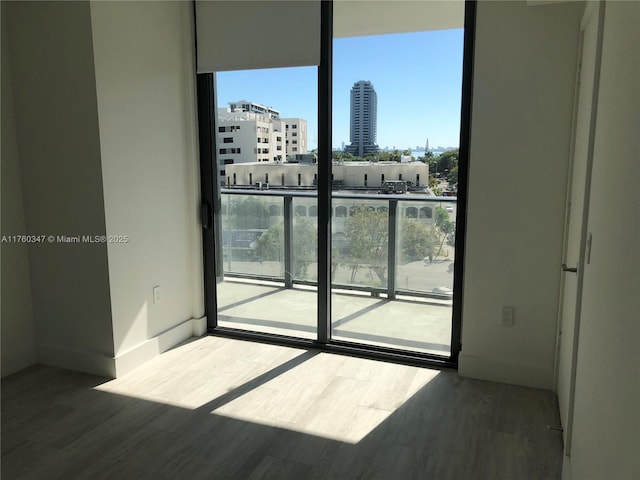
381 243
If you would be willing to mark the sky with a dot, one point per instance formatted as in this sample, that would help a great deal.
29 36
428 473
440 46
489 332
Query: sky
417 76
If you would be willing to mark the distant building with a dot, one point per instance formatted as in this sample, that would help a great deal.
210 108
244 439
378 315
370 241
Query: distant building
346 175
304 174
252 107
249 132
364 119
295 130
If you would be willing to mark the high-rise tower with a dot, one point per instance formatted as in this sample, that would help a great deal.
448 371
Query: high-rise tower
364 119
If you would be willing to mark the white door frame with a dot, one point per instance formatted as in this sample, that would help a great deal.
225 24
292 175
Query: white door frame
592 8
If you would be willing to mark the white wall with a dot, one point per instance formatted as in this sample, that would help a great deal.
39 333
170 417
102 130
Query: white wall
57 131
146 103
125 115
17 328
606 435
525 60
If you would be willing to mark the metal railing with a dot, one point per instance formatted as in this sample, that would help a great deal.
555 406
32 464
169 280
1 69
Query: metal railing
281 215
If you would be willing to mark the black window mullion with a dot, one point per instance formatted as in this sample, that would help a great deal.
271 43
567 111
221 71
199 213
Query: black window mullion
325 73
463 175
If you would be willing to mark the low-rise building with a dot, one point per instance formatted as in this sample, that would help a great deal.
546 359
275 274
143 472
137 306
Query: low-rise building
304 174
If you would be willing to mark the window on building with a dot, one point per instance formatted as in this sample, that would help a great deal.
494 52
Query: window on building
294 134
282 179
227 140
299 179
295 149
223 151
365 179
251 179
426 212
222 129
228 161
275 211
223 173
417 179
266 178
382 178
341 211
234 178
411 212
301 211
294 126
400 177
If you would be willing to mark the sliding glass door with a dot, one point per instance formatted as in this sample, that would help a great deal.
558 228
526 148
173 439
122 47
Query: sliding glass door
333 195
396 132
266 136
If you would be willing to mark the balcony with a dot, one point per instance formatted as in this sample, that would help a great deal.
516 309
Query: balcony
392 267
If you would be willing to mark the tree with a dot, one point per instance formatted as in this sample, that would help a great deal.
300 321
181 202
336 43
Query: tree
444 163
367 232
248 213
418 241
270 245
346 157
452 178
446 227
448 160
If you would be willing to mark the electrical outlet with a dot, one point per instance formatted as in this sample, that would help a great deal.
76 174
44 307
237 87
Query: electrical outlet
156 294
507 316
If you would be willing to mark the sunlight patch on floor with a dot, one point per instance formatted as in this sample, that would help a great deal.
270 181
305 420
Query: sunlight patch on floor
333 396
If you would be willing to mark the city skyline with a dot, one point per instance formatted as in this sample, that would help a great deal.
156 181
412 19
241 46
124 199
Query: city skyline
418 79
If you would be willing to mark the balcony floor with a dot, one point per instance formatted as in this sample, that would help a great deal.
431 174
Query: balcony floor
409 323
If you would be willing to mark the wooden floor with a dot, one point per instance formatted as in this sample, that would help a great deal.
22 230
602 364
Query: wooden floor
217 408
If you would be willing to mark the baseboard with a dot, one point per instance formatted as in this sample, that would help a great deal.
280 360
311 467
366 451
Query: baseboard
497 371
199 326
13 361
78 360
127 361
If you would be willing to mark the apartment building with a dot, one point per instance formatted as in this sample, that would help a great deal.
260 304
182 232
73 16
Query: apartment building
364 119
295 130
249 132
248 137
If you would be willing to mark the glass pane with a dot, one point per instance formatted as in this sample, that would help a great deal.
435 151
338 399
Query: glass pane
252 238
426 248
266 141
396 128
304 243
360 244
